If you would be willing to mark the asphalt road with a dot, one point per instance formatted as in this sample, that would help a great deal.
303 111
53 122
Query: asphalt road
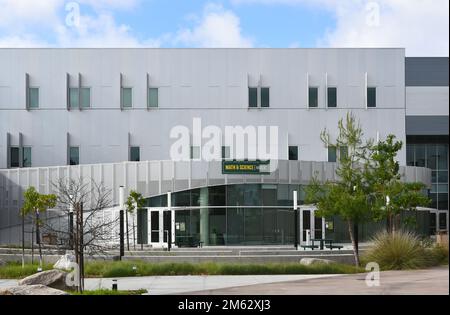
421 282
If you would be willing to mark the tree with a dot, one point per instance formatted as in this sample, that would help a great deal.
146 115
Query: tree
36 203
135 201
93 230
392 196
349 197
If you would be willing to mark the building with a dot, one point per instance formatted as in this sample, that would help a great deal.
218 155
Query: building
83 112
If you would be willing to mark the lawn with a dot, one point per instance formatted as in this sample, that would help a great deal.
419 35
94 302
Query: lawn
110 269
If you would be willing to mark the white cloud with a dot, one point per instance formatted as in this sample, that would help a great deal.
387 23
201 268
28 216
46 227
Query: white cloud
421 26
216 28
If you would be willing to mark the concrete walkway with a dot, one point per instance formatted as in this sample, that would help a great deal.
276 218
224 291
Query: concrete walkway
421 282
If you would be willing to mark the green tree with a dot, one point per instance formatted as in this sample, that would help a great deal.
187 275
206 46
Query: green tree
35 204
392 195
349 197
135 201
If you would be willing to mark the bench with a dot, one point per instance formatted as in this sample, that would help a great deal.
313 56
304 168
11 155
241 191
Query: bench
309 246
334 247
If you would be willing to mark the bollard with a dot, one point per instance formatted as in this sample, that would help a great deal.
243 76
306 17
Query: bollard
114 286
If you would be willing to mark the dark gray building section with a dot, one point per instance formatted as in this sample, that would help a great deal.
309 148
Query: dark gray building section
426 71
426 125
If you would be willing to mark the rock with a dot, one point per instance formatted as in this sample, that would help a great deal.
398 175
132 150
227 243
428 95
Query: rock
55 279
38 289
64 263
315 261
2 263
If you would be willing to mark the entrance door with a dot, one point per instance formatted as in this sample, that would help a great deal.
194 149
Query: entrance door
154 223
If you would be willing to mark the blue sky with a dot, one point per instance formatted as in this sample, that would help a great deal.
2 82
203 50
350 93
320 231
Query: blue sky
421 26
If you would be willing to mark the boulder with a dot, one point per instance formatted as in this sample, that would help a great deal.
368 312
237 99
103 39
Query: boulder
55 279
38 289
2 263
65 261
315 261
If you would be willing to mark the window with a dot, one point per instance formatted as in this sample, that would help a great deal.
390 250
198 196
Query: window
313 97
265 97
153 97
73 98
252 97
293 153
371 97
14 157
332 97
74 156
33 98
26 157
195 153
343 152
85 94
226 153
332 154
135 154
127 97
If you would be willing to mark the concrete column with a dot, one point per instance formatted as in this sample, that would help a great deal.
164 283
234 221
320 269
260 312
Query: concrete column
204 216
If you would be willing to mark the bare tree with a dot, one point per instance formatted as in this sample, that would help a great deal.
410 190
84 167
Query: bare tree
92 233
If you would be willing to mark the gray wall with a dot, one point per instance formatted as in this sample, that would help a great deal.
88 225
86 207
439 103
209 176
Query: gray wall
207 83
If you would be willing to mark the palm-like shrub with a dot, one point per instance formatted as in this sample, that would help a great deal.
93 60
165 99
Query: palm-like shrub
399 250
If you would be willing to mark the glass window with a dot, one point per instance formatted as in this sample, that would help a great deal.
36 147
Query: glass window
265 97
26 156
235 226
252 97
153 97
217 195
85 94
431 156
253 226
332 156
217 226
332 97
74 156
371 97
73 98
343 152
410 154
293 153
443 221
14 157
195 153
442 156
127 97
420 155
34 98
442 177
135 154
313 97
443 201
226 153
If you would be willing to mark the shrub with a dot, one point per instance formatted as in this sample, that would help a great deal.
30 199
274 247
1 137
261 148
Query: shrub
399 250
439 254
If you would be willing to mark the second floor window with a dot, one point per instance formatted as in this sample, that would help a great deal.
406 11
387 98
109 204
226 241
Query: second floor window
332 154
14 153
80 98
135 154
127 97
371 97
74 155
332 97
252 97
293 153
33 98
313 94
265 97
153 97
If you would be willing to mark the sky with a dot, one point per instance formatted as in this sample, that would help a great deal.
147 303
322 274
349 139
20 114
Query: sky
420 26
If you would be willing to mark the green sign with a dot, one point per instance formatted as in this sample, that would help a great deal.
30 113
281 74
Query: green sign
246 167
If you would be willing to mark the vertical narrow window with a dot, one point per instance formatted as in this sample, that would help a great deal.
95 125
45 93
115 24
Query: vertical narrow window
34 98
195 153
135 154
343 152
226 153
26 152
265 97
153 97
252 97
74 155
85 94
14 157
371 97
127 97
293 153
332 97
332 156
313 97
73 98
